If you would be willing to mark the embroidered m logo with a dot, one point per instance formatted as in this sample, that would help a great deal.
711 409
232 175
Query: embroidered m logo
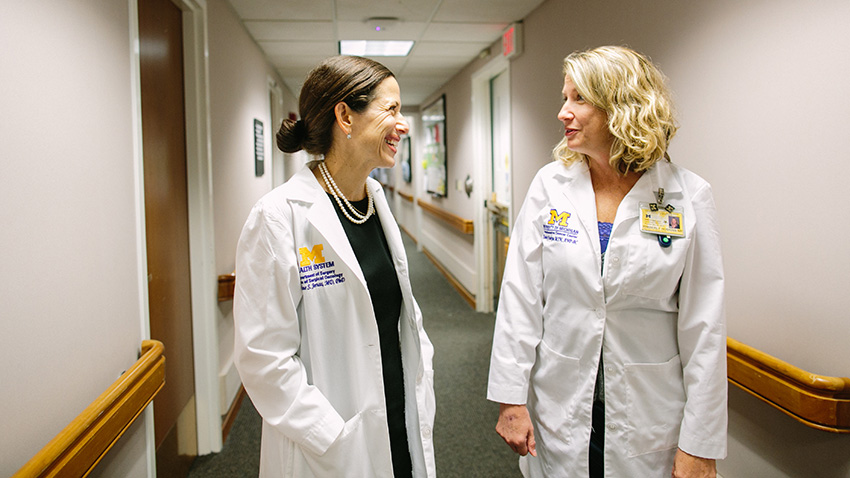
309 256
555 217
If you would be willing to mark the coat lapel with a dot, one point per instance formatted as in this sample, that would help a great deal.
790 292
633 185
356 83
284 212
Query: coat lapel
322 215
579 191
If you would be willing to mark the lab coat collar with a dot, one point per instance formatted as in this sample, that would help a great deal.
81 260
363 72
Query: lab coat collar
322 215
659 175
324 218
577 187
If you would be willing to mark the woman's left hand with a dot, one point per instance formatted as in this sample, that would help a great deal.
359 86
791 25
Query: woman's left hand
689 466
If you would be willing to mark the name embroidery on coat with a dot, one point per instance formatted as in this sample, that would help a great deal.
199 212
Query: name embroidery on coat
557 229
315 271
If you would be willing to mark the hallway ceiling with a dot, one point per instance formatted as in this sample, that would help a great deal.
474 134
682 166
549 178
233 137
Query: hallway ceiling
296 34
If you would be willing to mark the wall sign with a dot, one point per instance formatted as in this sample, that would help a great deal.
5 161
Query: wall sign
259 148
512 40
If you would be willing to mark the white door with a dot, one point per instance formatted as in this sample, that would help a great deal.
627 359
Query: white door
492 183
500 171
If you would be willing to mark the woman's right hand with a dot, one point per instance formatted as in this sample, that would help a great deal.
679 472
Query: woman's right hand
516 429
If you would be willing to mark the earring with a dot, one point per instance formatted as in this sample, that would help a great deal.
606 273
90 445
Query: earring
348 136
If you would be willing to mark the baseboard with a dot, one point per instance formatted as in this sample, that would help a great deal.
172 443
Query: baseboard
406 231
228 386
464 293
230 416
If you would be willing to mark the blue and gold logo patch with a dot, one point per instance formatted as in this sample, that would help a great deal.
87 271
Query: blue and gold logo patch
557 228
315 271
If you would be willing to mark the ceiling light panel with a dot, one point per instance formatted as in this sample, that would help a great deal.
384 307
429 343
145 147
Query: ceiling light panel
375 48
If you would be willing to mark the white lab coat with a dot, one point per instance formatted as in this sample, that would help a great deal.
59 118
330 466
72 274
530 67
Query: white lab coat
307 346
655 314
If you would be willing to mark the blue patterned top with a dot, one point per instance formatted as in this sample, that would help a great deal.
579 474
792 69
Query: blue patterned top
604 234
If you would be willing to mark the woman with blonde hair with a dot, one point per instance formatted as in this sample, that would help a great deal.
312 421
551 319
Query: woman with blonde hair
609 350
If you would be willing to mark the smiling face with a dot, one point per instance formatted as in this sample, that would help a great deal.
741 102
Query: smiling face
585 126
378 129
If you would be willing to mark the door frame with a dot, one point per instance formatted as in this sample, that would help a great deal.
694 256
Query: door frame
276 157
201 226
483 242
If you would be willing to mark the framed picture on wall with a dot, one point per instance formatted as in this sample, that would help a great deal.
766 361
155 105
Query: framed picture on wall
434 161
404 151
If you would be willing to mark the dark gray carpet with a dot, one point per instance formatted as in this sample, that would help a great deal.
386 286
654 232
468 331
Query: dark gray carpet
465 441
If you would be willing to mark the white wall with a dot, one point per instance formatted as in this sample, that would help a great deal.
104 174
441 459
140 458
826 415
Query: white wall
763 98
71 306
453 249
239 93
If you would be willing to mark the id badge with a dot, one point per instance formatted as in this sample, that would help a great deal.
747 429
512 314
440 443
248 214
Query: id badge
662 221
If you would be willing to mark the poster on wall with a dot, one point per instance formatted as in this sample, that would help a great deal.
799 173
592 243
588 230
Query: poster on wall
434 162
259 148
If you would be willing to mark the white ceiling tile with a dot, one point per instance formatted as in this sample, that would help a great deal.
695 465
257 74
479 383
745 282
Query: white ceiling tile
487 11
426 67
296 31
464 32
449 49
363 31
283 10
295 35
299 48
407 10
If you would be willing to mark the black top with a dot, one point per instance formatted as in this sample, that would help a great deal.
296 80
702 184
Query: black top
373 253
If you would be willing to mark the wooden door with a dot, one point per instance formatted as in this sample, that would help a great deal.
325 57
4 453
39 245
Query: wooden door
167 224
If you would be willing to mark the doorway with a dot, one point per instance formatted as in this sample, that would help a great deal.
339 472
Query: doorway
499 203
493 163
167 230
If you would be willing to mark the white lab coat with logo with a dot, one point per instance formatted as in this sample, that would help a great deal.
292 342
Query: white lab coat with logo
307 346
655 314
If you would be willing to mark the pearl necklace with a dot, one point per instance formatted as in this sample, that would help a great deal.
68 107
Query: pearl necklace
337 194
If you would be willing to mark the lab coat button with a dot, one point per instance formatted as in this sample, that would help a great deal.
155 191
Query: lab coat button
612 427
426 432
615 260
600 313
609 369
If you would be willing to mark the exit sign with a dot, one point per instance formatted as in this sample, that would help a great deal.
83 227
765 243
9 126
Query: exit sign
512 40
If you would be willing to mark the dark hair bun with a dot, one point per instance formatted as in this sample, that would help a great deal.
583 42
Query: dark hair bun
291 135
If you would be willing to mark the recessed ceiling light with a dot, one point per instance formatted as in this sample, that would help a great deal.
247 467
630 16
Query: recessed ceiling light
375 48
380 24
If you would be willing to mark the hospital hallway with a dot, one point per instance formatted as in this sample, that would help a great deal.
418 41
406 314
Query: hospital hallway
465 441
136 137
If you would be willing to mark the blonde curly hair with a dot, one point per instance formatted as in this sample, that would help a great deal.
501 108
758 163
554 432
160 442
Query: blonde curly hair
633 92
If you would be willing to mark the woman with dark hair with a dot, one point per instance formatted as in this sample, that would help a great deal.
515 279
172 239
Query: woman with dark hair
329 340
609 353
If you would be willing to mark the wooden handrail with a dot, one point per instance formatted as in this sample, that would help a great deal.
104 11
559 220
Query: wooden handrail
818 401
405 196
226 286
465 226
80 446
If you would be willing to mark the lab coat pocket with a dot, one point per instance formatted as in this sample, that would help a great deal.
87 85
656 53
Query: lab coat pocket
654 271
347 456
655 401
555 379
